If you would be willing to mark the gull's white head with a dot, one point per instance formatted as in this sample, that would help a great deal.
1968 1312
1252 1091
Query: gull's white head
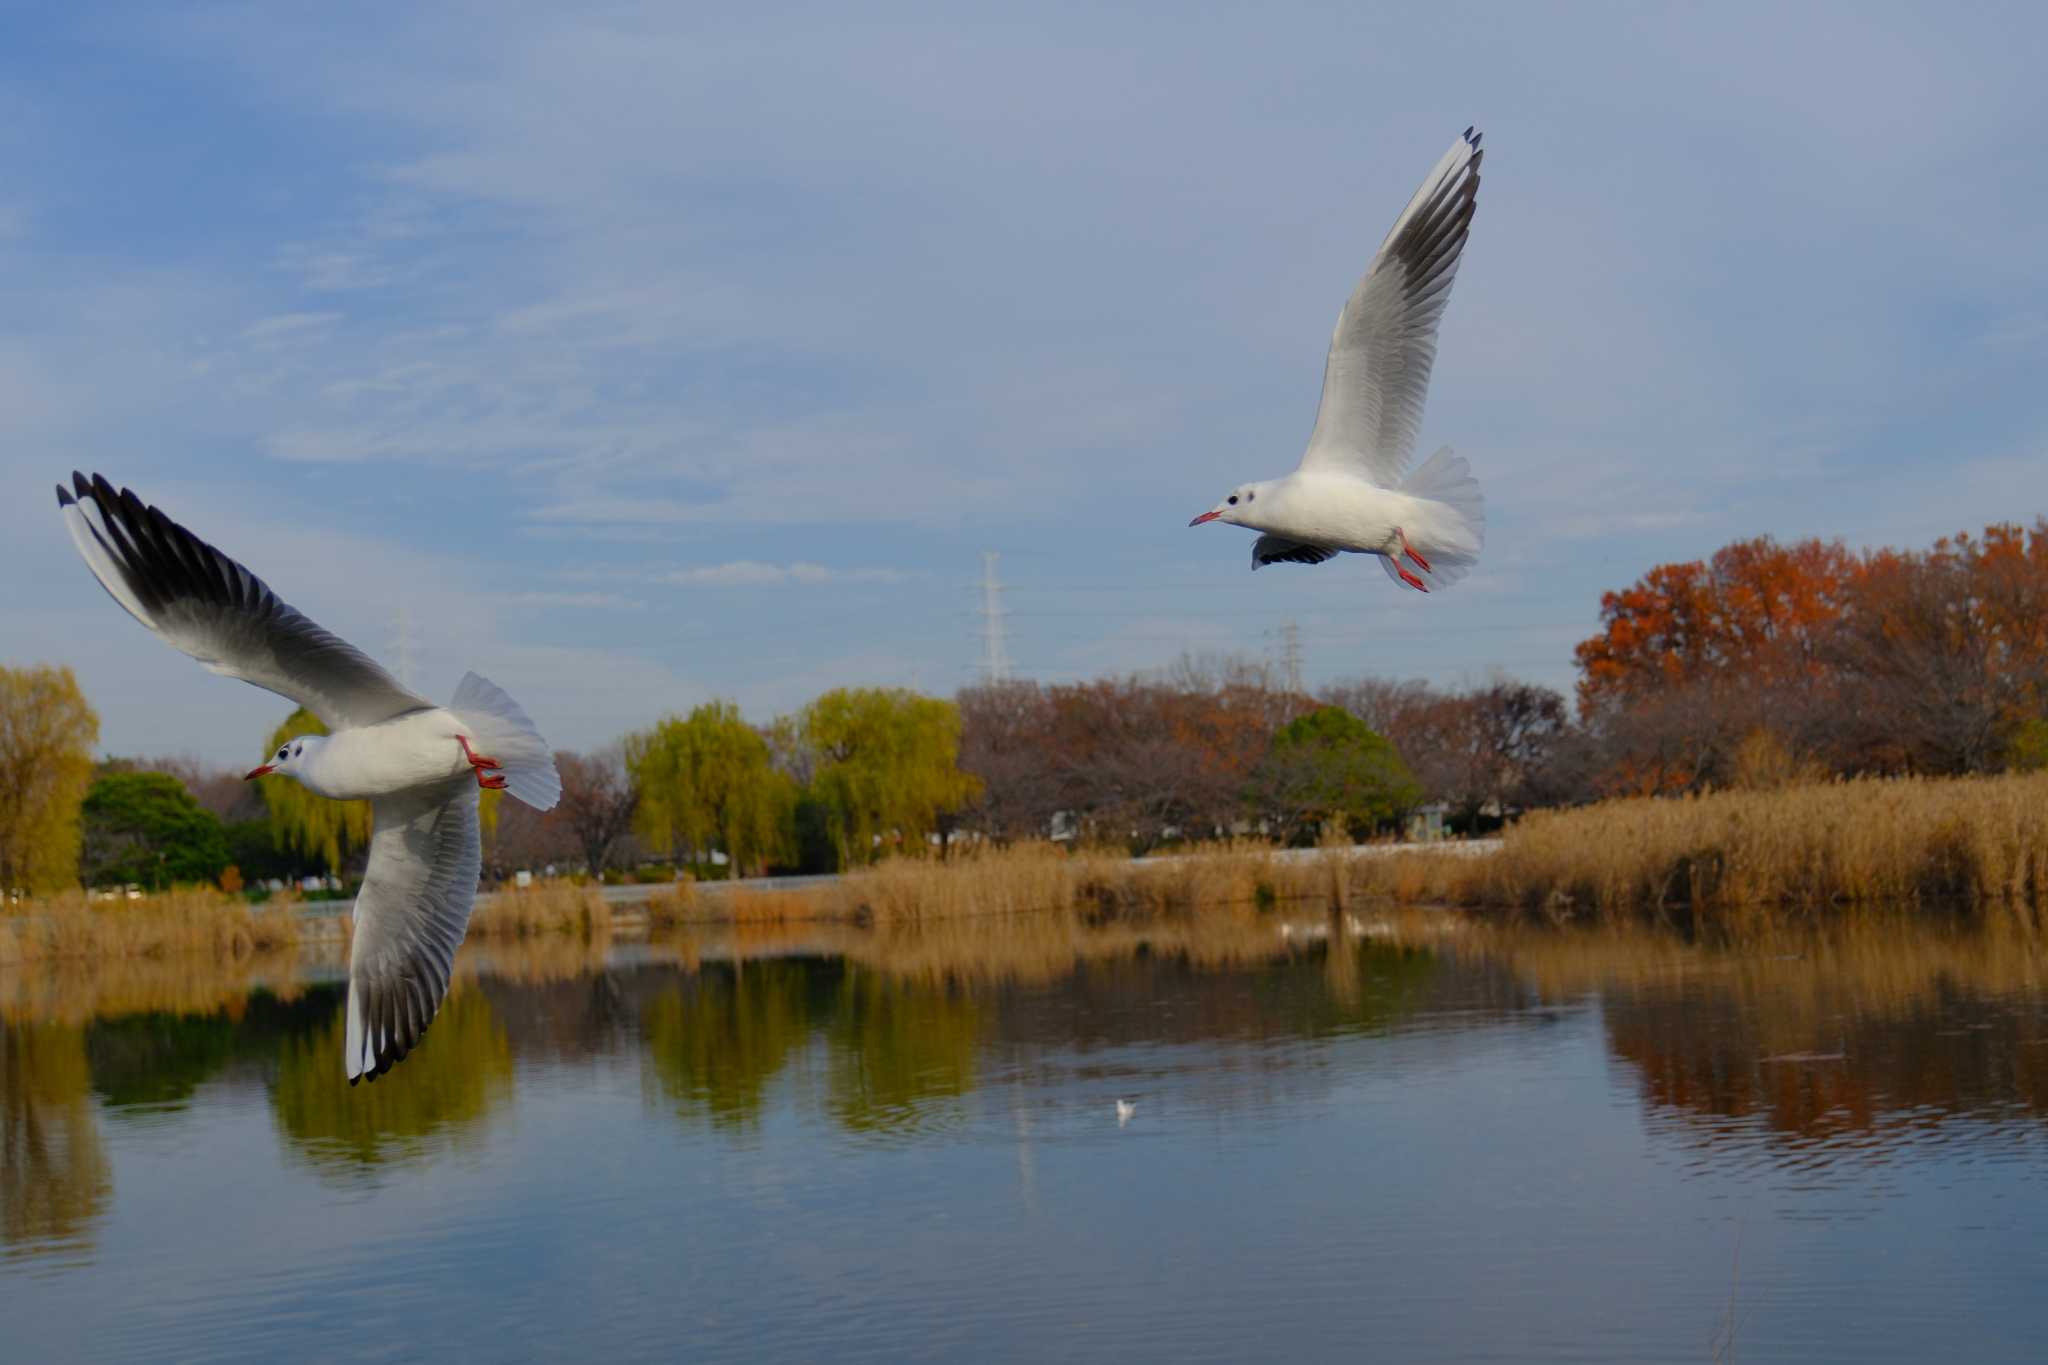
290 759
1239 508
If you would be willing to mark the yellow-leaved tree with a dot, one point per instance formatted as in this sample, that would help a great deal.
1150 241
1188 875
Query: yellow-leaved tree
708 781
886 767
47 730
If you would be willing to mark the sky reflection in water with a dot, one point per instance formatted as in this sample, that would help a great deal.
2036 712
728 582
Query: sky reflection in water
1409 1134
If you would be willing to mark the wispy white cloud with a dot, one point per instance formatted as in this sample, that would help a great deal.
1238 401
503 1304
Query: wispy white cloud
288 328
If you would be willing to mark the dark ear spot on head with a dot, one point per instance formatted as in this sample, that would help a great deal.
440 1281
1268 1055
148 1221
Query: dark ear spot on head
1249 496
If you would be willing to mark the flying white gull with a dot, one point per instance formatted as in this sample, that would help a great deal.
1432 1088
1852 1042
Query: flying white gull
419 765
1349 493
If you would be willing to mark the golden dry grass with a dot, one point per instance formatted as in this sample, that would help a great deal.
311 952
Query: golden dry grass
1899 841
548 907
206 923
673 903
1015 880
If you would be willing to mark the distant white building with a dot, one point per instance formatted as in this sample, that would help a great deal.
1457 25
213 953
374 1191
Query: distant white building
1426 823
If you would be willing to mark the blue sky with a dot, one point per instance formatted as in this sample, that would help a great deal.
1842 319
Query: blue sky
644 354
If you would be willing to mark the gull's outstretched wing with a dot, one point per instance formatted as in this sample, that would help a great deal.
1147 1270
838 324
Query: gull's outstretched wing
1377 375
409 919
212 608
1271 549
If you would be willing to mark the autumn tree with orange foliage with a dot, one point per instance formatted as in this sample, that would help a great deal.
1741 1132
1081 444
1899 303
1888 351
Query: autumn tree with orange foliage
1754 614
1884 661
1943 665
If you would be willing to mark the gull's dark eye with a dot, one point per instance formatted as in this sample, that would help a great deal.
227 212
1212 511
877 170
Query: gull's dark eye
1233 499
281 753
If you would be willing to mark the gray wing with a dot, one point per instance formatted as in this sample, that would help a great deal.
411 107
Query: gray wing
410 916
1281 550
205 604
1377 376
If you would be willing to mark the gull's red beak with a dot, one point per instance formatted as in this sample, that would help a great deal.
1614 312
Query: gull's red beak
255 773
1206 516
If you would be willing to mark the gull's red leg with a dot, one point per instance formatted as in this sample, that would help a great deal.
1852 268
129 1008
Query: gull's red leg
1409 550
476 760
494 783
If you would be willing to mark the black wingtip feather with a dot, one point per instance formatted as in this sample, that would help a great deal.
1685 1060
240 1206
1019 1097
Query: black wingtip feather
400 1016
64 498
160 560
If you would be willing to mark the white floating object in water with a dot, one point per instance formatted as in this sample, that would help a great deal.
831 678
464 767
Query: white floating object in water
1124 1110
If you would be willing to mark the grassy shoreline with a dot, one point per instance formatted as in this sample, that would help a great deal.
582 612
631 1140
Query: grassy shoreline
1974 842
184 922
1980 843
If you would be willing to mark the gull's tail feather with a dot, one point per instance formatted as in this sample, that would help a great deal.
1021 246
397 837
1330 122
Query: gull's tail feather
499 728
1450 529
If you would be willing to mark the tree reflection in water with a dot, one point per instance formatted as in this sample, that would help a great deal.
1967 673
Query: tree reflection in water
907 1015
447 1088
1864 1036
714 1043
897 1046
55 1179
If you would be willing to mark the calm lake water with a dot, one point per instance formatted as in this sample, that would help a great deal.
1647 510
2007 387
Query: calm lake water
1407 1138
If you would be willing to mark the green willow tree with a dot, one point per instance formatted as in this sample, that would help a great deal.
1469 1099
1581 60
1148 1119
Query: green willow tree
47 730
885 767
708 780
330 830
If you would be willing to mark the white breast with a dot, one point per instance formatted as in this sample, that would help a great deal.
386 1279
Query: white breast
1333 509
414 750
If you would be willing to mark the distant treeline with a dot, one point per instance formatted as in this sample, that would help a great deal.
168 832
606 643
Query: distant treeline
1763 665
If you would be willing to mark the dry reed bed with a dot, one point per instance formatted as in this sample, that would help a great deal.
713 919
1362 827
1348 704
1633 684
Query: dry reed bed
1891 841
1020 879
550 907
1899 841
202 923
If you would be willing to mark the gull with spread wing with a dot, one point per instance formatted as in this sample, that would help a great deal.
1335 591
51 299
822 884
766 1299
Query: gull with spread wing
419 765
1350 493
